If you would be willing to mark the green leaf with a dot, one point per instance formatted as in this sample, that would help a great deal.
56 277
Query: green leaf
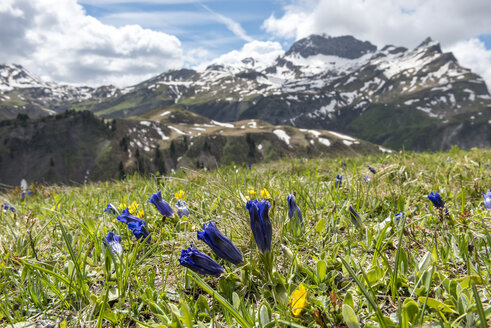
348 300
350 317
321 270
425 261
264 315
410 312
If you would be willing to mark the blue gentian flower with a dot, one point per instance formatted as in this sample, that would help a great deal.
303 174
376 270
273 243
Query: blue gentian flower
199 262
127 217
134 223
139 230
343 163
487 199
8 207
339 181
24 194
262 229
114 241
162 206
436 199
293 209
366 178
372 169
219 244
355 218
110 209
182 210
399 216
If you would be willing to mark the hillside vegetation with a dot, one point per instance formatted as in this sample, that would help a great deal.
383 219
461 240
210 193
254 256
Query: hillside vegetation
429 267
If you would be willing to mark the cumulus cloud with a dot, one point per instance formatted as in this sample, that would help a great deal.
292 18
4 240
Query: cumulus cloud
56 39
474 55
264 52
398 22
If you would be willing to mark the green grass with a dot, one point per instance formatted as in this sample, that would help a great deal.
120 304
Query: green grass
430 269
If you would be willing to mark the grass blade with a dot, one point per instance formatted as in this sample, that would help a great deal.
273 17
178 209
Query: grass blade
219 298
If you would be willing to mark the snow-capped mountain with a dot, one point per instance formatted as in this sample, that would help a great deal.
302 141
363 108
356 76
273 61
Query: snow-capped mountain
419 98
23 92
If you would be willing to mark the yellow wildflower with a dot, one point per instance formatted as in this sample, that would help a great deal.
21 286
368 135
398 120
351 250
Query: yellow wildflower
252 192
179 194
298 300
247 198
265 194
122 206
141 214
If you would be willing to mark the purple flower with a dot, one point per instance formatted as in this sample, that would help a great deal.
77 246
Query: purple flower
182 210
399 216
111 209
436 199
343 163
219 244
262 230
162 206
8 207
487 199
139 230
366 178
114 241
199 262
127 217
355 218
134 223
293 209
339 181
372 169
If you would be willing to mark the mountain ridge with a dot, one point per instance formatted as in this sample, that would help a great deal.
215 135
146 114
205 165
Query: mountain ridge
340 84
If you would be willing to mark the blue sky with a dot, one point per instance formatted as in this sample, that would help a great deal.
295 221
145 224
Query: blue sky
123 42
194 22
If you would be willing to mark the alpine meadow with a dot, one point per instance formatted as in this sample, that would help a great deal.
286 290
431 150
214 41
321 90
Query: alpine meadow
375 241
245 164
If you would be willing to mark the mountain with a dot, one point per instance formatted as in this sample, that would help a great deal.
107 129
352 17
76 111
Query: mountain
418 99
22 92
75 147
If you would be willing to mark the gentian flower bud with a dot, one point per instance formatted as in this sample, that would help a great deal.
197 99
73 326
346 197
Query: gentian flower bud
162 206
339 181
436 199
261 224
127 217
293 209
372 169
8 207
182 210
110 209
219 244
114 241
139 230
487 199
355 218
199 262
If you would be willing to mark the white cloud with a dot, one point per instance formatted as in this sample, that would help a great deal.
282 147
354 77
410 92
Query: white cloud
398 22
264 52
232 25
58 40
474 55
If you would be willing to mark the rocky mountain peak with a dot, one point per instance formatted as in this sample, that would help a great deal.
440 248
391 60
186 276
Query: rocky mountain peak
342 46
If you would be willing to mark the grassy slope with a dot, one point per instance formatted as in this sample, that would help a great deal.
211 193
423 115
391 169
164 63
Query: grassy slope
63 227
